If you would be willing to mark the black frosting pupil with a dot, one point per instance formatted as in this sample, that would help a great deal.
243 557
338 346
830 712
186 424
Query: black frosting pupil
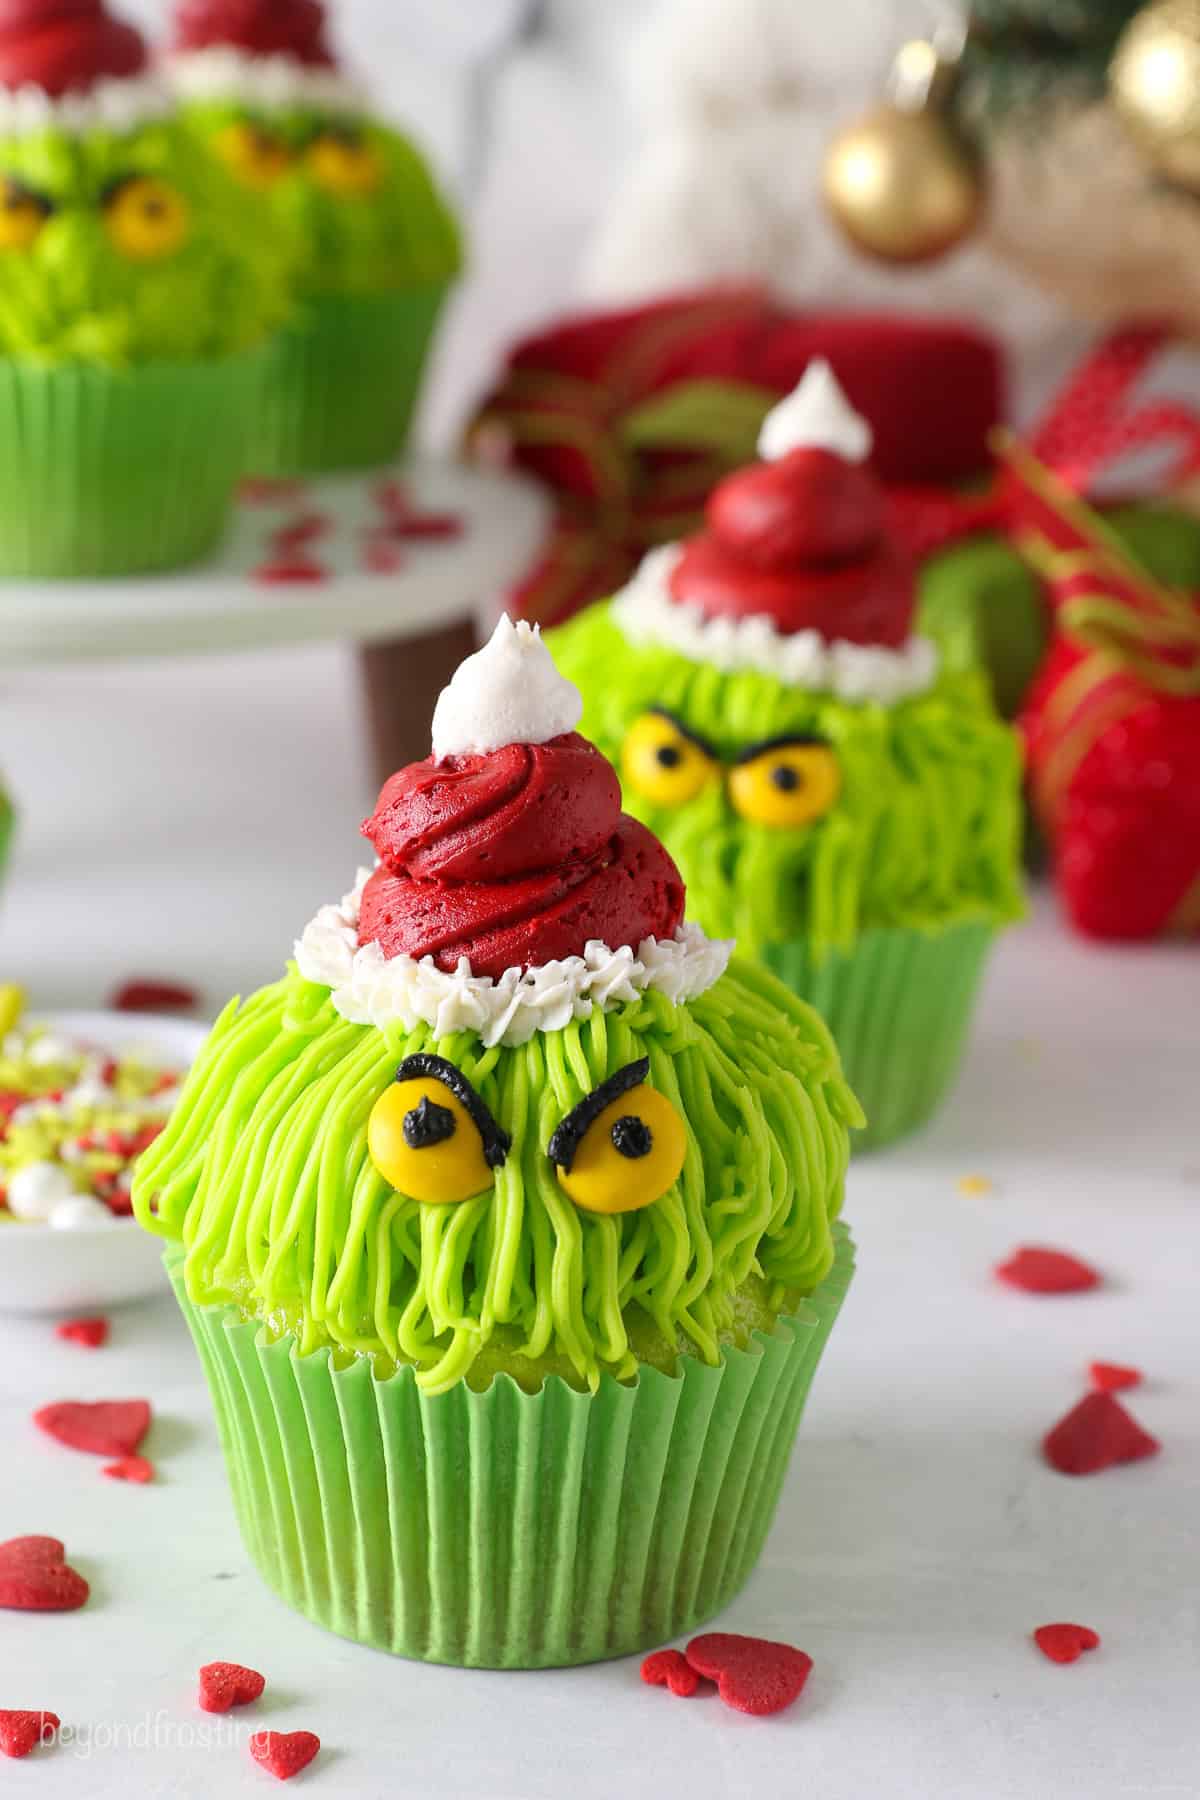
668 756
428 1124
632 1137
785 778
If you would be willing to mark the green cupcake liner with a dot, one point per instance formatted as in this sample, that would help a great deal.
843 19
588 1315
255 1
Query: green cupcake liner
504 1529
340 387
119 471
899 1006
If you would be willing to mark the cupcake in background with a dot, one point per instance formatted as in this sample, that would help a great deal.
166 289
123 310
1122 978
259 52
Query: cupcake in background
374 246
834 799
134 304
506 1223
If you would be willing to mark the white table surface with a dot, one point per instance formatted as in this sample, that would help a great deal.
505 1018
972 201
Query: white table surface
184 820
222 604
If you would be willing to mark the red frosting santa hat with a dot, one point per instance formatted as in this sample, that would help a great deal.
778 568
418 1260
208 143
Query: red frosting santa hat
73 65
271 53
795 573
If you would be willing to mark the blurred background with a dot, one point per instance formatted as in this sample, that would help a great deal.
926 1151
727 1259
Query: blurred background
606 155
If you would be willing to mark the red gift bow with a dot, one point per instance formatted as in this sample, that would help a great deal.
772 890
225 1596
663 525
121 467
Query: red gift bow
620 493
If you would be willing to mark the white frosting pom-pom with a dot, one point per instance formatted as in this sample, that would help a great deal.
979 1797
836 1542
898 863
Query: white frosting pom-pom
510 692
816 416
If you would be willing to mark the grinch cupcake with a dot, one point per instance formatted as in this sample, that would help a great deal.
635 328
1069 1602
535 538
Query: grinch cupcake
133 307
374 246
834 800
506 1222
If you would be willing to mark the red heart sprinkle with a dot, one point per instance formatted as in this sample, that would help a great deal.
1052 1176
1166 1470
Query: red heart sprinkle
432 527
752 1674
263 490
155 996
284 1753
301 531
293 569
381 556
35 1577
130 1468
671 1669
391 497
21 1732
1065 1643
1111 1378
101 1427
1040 1271
1094 1435
91 1333
224 1685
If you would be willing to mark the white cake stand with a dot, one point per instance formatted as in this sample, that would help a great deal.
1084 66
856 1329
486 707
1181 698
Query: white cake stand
401 562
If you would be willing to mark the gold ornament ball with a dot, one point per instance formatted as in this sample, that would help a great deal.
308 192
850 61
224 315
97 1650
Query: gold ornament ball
904 186
1155 83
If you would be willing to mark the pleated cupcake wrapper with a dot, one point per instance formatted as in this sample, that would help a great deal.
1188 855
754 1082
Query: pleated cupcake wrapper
899 1006
119 472
340 386
504 1529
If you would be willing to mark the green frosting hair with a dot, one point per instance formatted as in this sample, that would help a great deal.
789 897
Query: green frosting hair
264 1174
399 234
73 296
925 831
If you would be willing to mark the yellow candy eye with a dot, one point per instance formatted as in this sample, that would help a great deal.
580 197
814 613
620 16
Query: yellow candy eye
344 163
22 214
664 763
147 219
622 1148
785 784
257 157
432 1137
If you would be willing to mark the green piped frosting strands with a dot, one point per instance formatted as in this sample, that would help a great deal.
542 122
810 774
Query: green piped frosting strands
925 832
265 1176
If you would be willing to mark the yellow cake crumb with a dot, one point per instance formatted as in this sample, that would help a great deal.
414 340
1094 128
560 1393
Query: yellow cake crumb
972 1187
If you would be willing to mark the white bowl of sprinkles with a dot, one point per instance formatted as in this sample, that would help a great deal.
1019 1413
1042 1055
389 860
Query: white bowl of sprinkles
62 1250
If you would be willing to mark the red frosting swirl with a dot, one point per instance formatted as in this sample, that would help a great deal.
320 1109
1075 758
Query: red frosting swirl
513 860
294 28
802 541
65 46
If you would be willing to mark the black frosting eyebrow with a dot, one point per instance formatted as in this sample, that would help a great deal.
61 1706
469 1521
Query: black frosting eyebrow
574 1128
685 731
496 1142
792 740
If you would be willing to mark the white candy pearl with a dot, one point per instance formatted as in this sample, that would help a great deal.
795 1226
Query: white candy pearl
35 1190
80 1213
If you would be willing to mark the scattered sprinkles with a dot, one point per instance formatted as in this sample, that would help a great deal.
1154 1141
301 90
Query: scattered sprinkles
1065 1643
752 1674
130 1468
291 568
298 533
224 1685
1039 1271
92 1334
284 1753
155 997
1113 1378
1096 1435
21 1732
671 1669
35 1577
73 1121
99 1427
